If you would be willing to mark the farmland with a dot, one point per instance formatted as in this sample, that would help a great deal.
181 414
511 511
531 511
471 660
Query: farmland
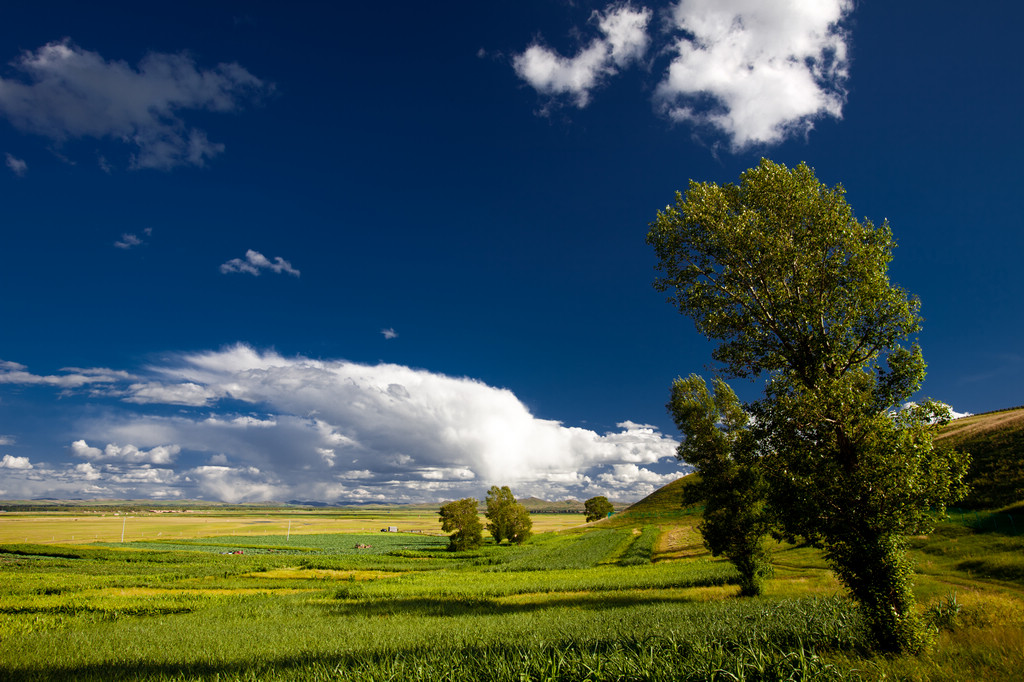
633 597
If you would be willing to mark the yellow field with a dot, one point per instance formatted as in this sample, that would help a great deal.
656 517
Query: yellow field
84 527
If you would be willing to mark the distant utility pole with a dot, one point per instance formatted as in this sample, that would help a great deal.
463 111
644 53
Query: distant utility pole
123 522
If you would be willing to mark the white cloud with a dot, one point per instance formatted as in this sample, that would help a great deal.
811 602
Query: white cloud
169 394
953 414
235 485
755 71
18 166
9 462
88 471
314 428
255 261
389 333
6 440
130 454
129 240
66 92
624 40
330 430
75 377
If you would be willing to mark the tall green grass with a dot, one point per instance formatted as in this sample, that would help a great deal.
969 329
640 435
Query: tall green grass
570 606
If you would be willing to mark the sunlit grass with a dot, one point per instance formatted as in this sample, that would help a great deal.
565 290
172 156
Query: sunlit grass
565 606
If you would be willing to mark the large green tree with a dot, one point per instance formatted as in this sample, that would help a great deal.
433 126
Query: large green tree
718 442
462 520
793 287
597 508
507 518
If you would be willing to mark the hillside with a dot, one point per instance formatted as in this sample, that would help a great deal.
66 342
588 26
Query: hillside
667 503
996 443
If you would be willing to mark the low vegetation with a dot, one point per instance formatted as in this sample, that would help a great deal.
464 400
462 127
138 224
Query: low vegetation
631 597
996 443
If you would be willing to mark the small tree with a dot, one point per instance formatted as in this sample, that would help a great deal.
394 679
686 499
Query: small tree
723 450
507 518
597 508
779 271
462 517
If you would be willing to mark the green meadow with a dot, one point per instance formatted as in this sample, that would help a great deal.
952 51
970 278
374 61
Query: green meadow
632 597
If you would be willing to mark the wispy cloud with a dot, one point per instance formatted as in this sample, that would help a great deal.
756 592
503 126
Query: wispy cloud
18 166
389 333
623 40
255 262
73 377
129 240
757 72
334 430
66 92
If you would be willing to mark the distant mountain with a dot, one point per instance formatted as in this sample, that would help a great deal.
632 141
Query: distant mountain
535 505
996 443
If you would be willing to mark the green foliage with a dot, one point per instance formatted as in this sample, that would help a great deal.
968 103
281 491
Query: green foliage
779 271
639 551
507 519
597 508
570 551
461 519
721 447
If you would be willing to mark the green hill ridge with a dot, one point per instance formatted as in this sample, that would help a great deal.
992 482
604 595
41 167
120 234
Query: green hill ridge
996 443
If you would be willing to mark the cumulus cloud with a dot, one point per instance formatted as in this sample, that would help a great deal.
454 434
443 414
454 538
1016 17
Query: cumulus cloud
9 462
333 430
255 262
389 333
163 454
755 71
18 166
623 40
66 92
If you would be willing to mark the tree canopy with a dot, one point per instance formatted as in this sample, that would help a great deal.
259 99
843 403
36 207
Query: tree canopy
507 518
794 288
720 445
597 508
461 519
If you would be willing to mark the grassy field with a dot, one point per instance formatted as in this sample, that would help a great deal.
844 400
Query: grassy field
633 597
85 526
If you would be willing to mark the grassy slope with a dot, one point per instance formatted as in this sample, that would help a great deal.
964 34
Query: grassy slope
996 443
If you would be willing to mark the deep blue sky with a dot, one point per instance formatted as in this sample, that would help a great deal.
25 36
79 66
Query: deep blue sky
416 173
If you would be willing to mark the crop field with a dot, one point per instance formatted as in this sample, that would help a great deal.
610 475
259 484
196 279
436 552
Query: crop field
77 527
624 599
